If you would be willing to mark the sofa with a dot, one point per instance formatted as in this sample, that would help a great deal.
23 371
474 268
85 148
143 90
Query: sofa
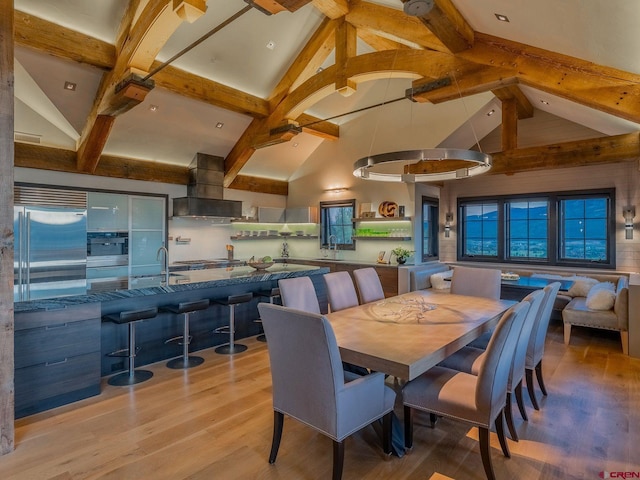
417 277
572 306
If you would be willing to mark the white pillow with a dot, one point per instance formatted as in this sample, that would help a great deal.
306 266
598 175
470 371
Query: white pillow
581 286
438 281
601 296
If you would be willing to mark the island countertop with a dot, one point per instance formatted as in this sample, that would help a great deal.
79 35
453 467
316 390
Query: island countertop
182 282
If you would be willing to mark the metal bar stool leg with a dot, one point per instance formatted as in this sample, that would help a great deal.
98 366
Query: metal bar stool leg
232 347
133 376
186 360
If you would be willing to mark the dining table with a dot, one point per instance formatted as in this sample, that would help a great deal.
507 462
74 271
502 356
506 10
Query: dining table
406 335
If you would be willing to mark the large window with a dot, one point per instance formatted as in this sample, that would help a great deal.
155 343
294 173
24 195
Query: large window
336 223
430 217
575 228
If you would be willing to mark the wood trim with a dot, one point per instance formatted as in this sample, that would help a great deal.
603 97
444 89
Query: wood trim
52 39
616 148
7 399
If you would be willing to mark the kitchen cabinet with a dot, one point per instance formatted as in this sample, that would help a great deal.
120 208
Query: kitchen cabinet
57 357
147 235
388 274
107 212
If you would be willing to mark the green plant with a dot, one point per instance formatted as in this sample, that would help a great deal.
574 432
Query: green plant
401 252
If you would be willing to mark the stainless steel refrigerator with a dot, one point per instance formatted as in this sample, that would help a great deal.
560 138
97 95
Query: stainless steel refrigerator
50 252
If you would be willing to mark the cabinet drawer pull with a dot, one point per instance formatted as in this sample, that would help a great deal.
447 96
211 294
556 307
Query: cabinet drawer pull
54 327
60 362
52 308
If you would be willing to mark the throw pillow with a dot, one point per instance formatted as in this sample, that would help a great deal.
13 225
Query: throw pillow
438 281
601 296
581 286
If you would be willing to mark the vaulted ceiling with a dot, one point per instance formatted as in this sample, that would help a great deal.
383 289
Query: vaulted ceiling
275 78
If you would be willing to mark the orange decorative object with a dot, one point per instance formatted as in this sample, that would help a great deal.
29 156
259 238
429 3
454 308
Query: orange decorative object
387 209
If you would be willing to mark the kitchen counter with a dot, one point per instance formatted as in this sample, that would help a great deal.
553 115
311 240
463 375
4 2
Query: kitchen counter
364 263
183 281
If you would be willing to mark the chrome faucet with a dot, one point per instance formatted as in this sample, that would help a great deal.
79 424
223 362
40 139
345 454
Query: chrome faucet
165 263
335 245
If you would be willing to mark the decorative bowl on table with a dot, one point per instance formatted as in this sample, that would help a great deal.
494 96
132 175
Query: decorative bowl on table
260 265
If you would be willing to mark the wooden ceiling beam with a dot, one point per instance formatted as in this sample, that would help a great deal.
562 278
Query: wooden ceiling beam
379 43
448 25
319 128
346 48
262 185
393 24
146 36
332 8
52 39
523 105
579 153
509 124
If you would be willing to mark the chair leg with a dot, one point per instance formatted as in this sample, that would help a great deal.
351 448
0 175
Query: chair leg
278 422
567 333
486 453
433 419
520 401
530 388
500 431
540 379
624 338
338 459
408 427
386 433
508 414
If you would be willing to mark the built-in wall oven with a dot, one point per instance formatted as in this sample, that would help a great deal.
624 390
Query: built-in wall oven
107 261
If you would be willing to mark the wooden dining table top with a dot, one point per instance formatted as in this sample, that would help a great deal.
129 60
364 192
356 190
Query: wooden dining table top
406 335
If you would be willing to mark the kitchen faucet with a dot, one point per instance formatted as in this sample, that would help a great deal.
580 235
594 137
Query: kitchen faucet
165 269
335 245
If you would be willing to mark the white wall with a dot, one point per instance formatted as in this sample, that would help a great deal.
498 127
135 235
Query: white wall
624 177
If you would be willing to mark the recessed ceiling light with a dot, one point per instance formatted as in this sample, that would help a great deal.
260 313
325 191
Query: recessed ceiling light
490 112
295 144
70 86
319 69
544 102
502 18
153 108
271 45
219 125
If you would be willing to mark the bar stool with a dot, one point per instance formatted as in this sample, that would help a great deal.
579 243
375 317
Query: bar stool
130 317
231 301
272 294
186 309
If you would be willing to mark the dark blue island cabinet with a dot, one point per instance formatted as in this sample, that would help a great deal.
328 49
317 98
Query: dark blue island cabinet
57 356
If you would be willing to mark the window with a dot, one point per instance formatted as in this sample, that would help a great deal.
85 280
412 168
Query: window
430 217
575 228
336 221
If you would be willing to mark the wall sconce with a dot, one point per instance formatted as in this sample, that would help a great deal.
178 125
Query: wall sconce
336 190
628 213
448 218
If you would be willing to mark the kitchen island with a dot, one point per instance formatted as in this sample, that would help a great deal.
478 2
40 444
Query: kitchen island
62 345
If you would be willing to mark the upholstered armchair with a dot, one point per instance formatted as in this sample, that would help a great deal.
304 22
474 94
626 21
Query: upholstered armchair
310 386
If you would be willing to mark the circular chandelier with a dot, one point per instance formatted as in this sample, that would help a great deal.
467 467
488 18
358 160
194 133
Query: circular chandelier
383 167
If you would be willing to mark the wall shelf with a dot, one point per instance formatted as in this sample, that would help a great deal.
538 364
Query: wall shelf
382 219
272 237
380 237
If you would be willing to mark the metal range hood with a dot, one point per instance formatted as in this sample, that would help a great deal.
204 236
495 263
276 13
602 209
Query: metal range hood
204 192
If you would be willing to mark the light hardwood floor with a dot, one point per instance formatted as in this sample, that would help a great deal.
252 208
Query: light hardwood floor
214 422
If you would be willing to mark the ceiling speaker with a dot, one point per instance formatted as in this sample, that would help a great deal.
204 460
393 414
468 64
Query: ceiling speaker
418 8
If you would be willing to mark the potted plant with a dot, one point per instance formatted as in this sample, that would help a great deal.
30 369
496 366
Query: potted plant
401 254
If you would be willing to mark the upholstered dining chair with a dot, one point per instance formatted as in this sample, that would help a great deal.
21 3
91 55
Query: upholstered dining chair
310 386
368 283
299 293
469 359
340 291
535 349
476 282
477 400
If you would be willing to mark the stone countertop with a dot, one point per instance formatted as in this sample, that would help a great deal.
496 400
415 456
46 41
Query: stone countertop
180 282
364 263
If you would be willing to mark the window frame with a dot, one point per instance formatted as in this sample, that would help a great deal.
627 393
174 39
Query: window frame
325 228
434 229
554 228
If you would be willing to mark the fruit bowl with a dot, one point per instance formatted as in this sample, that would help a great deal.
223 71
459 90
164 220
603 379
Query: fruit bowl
260 265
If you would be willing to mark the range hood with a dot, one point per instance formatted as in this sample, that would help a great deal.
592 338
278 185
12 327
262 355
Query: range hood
204 192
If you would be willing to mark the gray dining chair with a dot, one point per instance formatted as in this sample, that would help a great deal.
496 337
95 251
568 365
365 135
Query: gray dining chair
369 286
340 291
535 349
310 385
299 293
477 400
476 282
470 359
